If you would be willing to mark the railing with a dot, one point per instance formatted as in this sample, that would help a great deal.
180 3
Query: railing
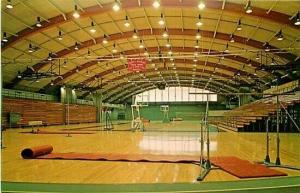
27 95
45 97
117 106
84 102
284 88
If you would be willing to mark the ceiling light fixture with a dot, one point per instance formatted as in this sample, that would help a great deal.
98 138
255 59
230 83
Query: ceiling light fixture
126 23
146 52
232 38
156 4
76 14
272 61
19 74
197 44
239 26
248 7
226 48
297 19
279 35
50 56
76 47
38 22
170 52
114 50
59 37
168 44
161 21
165 34
201 5
92 30
104 40
141 44
198 34
65 64
30 48
134 35
257 56
199 22
9 4
267 47
4 38
116 6
122 56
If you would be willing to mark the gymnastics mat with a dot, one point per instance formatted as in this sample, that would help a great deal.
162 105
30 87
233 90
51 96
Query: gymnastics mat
243 168
45 152
233 165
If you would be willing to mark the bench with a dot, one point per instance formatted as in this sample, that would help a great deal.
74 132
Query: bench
35 123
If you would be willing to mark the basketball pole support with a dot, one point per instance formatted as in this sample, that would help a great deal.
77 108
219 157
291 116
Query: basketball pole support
108 124
205 163
277 163
267 159
2 146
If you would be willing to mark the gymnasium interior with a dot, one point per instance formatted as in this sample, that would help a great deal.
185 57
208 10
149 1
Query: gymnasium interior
150 96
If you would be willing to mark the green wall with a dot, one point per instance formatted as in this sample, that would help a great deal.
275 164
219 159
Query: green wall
186 111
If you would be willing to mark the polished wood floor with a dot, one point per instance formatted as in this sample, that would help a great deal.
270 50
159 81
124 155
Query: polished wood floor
249 146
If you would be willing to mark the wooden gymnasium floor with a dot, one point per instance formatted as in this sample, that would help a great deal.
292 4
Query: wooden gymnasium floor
250 146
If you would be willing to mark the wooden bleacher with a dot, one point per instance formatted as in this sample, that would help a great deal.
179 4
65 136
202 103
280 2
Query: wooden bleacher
32 110
237 119
49 113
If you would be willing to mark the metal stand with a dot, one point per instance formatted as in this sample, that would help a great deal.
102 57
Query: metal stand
205 163
165 110
2 146
136 123
108 124
267 159
277 161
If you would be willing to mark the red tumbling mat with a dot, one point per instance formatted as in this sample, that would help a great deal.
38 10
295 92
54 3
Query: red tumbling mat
243 168
45 152
233 165
57 132
30 153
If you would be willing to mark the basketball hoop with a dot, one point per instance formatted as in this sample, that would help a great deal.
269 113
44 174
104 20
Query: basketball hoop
165 110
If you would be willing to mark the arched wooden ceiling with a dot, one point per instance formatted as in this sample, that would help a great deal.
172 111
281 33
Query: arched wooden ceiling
170 79
219 23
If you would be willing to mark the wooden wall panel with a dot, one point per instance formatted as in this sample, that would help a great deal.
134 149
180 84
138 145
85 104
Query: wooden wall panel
49 112
81 114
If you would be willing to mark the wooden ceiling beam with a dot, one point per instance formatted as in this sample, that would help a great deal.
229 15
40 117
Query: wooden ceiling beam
272 16
145 32
155 49
181 71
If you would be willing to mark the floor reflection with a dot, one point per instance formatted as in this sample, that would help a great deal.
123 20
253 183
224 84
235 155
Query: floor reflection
174 143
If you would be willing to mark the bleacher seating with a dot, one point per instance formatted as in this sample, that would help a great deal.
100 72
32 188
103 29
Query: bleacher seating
237 119
32 110
49 113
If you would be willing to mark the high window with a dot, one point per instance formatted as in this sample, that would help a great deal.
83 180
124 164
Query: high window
176 94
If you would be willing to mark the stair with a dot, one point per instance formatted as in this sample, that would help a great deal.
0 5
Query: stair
238 119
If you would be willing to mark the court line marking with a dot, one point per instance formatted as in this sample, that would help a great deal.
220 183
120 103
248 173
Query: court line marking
186 191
